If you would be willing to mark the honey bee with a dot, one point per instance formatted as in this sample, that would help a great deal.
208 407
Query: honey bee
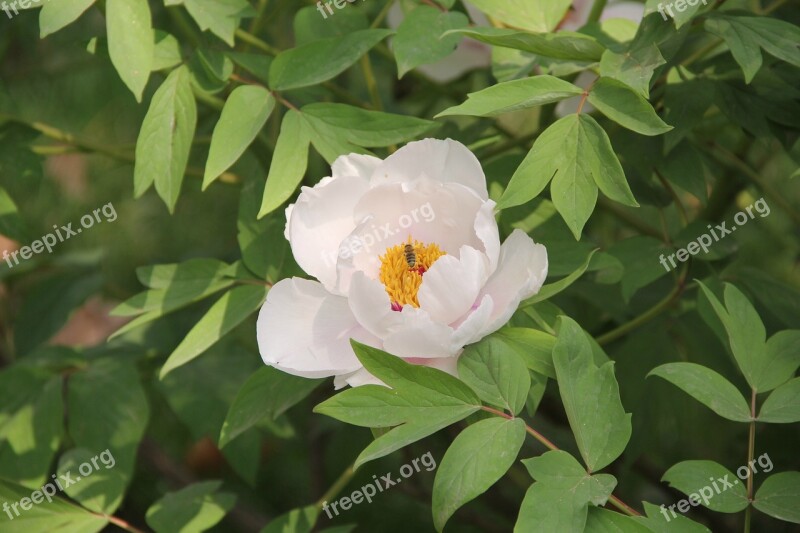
411 255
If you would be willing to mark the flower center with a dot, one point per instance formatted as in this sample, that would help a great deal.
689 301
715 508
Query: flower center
402 267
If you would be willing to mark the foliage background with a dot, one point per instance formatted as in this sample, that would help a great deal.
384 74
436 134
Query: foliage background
68 134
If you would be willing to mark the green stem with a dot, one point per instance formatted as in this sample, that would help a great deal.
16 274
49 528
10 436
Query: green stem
382 15
372 84
648 315
120 523
337 486
597 10
751 451
251 39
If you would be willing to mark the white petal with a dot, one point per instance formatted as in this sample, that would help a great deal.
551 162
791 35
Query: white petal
320 220
452 284
446 161
475 325
487 231
356 379
371 306
520 274
427 211
623 10
355 165
419 336
304 330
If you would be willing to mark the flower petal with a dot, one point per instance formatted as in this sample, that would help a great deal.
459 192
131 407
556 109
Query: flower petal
520 273
371 306
446 161
419 336
474 326
452 284
355 165
305 331
320 220
427 211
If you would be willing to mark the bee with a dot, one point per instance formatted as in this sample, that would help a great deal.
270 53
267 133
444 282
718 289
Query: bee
411 255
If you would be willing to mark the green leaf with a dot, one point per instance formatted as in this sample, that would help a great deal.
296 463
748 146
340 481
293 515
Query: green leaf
131 42
289 162
409 433
295 521
413 379
321 60
267 394
376 406
255 64
533 346
747 35
640 269
779 497
221 17
591 398
684 167
57 15
476 459
659 523
197 507
56 515
11 225
363 127
546 508
497 374
605 521
633 66
246 111
418 39
747 338
576 153
513 95
103 490
162 149
562 45
782 359
543 16
30 427
783 404
166 52
415 390
623 105
551 289
705 482
228 312
108 413
707 387
559 470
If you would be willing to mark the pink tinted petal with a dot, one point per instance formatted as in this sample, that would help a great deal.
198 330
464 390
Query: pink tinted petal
452 285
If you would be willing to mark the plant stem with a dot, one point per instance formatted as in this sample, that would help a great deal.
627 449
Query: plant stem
251 39
337 486
382 15
120 523
372 85
597 9
616 502
751 450
648 315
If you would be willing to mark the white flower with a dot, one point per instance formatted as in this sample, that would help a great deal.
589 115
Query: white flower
352 232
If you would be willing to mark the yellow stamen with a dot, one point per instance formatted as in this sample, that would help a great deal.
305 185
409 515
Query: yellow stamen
401 281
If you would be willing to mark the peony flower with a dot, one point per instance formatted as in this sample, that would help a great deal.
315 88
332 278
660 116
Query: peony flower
407 258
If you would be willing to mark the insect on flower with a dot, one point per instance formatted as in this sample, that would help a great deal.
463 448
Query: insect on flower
411 255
